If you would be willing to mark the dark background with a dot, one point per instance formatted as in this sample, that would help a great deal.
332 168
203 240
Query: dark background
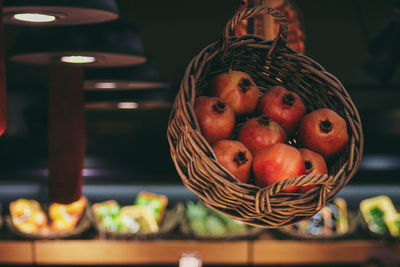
130 147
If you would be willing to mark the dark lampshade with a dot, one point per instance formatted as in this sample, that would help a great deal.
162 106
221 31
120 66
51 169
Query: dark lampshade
149 98
126 105
59 12
126 88
138 99
139 77
111 44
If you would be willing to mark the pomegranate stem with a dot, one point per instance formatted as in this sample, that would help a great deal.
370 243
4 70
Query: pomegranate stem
325 126
240 158
264 120
309 166
245 84
219 107
288 99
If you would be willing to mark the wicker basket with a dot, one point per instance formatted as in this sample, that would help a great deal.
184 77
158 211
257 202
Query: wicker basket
269 63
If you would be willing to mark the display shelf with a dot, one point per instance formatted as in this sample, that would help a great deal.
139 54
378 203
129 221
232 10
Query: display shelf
16 252
137 252
266 251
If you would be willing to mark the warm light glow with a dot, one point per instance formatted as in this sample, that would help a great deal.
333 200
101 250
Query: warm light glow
34 17
104 85
380 162
122 85
78 59
127 105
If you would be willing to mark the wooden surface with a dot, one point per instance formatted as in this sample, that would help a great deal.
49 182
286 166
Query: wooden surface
16 252
137 252
259 252
308 252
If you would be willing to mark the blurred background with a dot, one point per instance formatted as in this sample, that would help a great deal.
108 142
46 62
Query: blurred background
127 111
128 146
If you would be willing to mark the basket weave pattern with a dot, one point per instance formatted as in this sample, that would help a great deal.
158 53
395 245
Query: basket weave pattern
269 63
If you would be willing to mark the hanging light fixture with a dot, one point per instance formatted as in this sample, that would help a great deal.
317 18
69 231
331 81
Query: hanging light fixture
139 77
59 12
125 105
126 88
45 12
108 44
67 50
138 99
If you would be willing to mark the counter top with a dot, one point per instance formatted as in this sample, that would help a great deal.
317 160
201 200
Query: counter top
16 252
262 251
108 252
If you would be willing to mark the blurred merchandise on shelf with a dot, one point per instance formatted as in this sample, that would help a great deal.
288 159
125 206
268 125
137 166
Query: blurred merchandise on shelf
29 217
143 217
205 223
108 215
66 217
262 26
381 216
331 221
157 203
128 219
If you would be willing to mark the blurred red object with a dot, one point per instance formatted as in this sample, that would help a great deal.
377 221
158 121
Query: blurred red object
260 25
296 37
242 27
3 91
67 137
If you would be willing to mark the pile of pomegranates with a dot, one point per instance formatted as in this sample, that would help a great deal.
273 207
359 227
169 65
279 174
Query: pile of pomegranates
249 131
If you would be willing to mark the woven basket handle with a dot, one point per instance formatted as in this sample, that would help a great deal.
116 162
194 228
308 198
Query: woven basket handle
326 181
252 12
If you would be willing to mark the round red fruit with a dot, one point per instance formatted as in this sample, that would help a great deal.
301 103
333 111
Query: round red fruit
276 163
234 157
215 117
259 133
283 106
324 132
237 89
314 163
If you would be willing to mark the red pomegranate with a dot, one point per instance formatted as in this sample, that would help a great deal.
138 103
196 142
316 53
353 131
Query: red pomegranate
237 89
259 133
215 117
283 106
276 163
315 164
324 132
234 157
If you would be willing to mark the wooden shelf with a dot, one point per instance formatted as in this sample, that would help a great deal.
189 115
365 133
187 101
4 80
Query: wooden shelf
16 252
259 252
137 252
321 252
